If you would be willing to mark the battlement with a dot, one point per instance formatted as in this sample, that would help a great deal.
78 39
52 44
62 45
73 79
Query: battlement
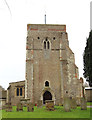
46 27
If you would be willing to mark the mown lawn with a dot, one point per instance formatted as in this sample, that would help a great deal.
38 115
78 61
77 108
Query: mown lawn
43 113
89 103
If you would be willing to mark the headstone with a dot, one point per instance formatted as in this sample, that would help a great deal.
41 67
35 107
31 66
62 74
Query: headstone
19 107
3 107
60 104
39 103
67 104
78 101
73 103
49 105
30 107
8 107
83 104
25 101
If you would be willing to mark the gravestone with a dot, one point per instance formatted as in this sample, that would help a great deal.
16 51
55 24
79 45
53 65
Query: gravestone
8 107
19 107
24 101
39 103
30 107
49 105
73 103
83 104
78 101
67 104
3 107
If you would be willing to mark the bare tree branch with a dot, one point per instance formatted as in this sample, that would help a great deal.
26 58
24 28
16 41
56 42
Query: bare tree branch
8 7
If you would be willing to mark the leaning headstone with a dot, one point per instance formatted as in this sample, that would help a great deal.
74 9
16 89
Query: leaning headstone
8 107
49 105
73 103
30 107
39 103
67 104
19 107
83 104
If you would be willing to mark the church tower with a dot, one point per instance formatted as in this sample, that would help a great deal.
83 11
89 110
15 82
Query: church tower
51 73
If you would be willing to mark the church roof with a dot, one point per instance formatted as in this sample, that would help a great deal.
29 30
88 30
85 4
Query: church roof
16 82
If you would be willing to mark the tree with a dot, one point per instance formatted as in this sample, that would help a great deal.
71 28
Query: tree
87 59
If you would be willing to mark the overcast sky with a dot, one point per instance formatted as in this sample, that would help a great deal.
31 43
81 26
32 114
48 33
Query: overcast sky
16 14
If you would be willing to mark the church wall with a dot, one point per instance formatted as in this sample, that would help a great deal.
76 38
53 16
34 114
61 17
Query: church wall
46 63
46 70
55 65
12 95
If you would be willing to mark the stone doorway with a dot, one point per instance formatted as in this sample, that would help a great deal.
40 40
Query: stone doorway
47 96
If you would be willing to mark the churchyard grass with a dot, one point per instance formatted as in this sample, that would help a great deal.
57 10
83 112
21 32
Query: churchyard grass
43 113
89 103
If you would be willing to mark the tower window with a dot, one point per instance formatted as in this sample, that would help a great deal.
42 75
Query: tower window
47 84
46 44
46 39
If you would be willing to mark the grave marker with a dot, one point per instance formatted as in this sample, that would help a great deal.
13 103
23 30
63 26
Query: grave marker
67 104
49 105
83 104
19 107
39 103
73 103
30 107
8 107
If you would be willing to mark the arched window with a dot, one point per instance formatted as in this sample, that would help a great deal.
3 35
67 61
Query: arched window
20 91
47 84
17 91
46 44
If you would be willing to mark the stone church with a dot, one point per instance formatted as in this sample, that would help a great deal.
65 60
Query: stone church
51 73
